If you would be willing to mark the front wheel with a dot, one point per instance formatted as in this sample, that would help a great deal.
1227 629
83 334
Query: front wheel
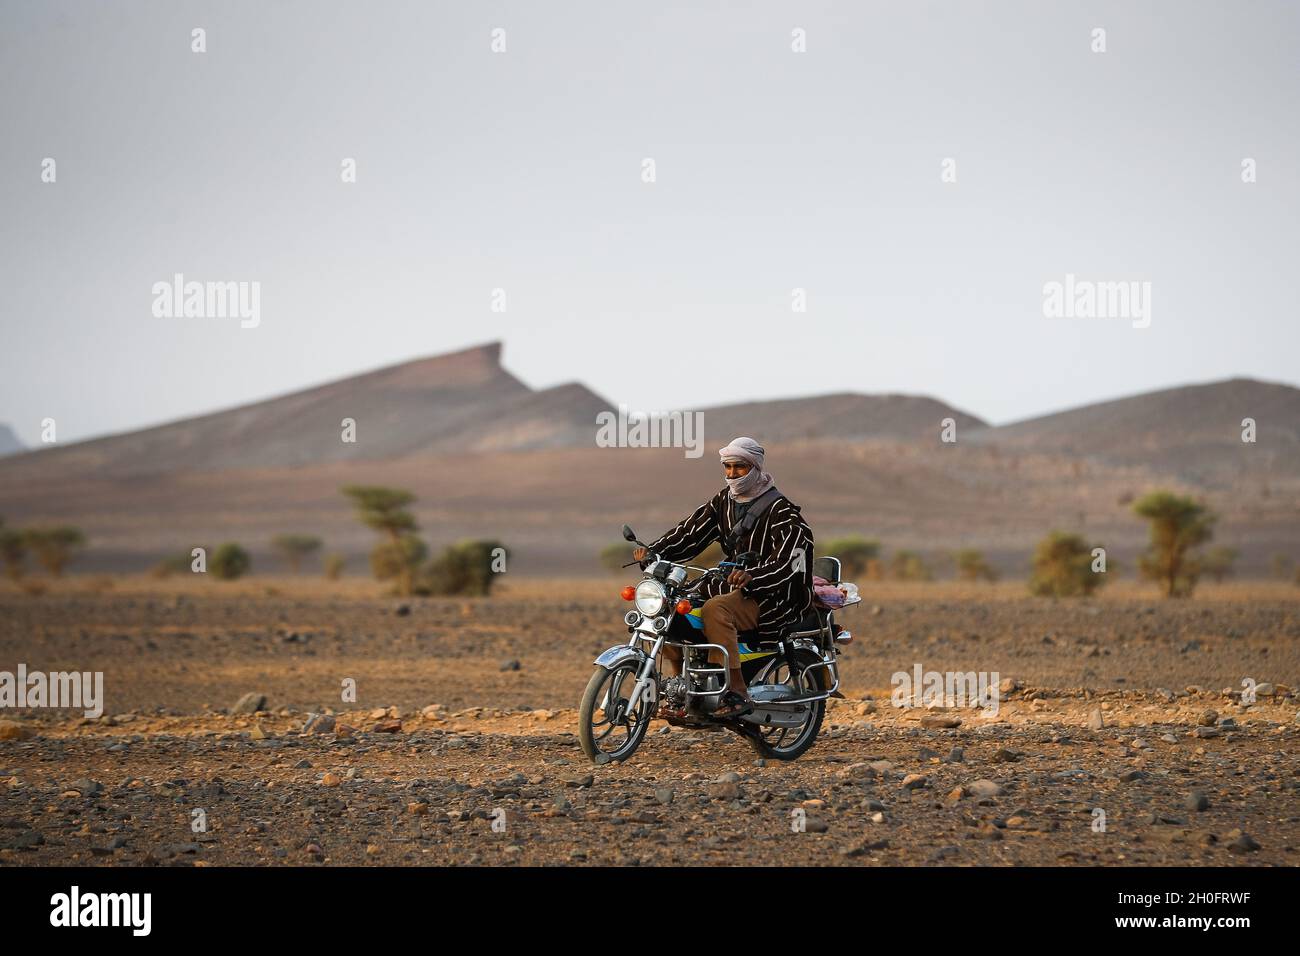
607 728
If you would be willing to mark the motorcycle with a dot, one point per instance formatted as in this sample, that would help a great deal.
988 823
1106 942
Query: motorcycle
789 679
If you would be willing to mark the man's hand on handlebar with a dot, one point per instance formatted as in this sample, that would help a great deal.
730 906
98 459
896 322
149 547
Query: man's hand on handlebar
739 578
639 554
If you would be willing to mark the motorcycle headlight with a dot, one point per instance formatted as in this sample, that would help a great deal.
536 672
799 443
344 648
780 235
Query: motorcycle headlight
649 598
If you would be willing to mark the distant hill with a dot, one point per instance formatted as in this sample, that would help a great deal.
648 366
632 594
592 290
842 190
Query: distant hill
489 455
462 401
9 442
1193 431
843 417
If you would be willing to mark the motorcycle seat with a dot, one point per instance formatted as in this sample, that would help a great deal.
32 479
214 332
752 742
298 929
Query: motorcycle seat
809 622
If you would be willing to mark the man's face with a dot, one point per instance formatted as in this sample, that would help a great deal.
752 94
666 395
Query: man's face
735 469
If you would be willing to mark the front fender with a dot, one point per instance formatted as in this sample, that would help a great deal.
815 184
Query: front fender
619 655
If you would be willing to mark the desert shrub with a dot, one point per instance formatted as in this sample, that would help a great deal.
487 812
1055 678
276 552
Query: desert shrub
54 547
229 562
855 553
295 547
1178 525
909 566
464 568
334 565
385 510
1219 563
973 566
174 564
1062 567
13 552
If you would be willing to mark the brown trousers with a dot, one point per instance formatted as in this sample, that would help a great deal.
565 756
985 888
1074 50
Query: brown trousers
723 617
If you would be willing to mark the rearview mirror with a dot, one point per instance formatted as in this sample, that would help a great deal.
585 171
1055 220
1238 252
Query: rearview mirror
628 534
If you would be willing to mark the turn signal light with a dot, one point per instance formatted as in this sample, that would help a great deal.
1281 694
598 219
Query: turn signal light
629 593
683 606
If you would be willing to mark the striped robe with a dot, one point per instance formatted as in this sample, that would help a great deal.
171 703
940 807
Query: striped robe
782 585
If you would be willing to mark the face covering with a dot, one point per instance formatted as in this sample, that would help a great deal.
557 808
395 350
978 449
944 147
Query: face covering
750 486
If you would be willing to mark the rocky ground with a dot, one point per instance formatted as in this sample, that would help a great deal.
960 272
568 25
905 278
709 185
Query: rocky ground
1121 737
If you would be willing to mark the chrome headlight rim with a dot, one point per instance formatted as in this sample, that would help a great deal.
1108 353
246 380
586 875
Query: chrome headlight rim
650 597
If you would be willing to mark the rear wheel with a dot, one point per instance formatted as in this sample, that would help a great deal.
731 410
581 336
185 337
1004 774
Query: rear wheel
607 728
789 743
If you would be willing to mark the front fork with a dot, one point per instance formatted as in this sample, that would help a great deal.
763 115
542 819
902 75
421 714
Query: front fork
646 676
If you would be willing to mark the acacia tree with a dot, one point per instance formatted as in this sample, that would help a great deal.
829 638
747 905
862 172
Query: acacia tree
294 547
384 509
1178 525
54 547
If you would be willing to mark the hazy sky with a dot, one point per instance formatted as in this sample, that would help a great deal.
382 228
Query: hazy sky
522 170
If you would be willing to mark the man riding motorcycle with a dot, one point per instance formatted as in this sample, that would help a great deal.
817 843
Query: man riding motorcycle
749 515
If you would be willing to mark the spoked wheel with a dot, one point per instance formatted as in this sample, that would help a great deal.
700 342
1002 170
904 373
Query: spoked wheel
607 729
788 743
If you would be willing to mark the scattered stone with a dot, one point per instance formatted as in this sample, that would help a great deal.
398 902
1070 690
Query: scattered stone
1244 843
915 781
330 780
511 665
940 722
664 795
318 724
87 787
1197 801
1208 718
1095 720
1002 755
984 789
1130 776
1207 733
388 727
250 703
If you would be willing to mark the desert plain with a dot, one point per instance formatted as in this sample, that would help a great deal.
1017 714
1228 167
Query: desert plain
1121 735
